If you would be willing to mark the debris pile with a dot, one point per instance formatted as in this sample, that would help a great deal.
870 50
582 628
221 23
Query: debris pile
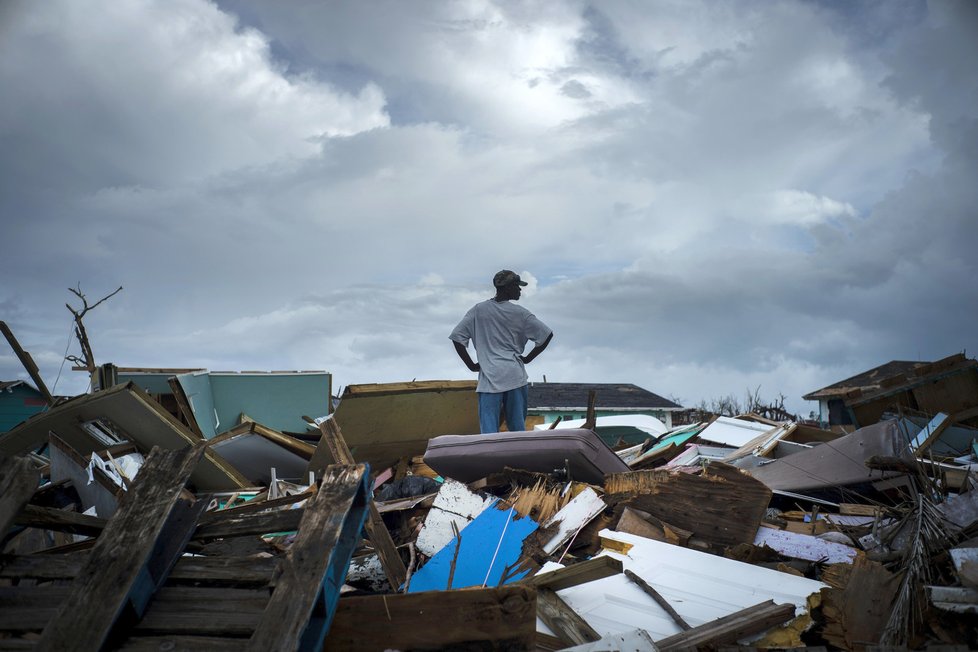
388 524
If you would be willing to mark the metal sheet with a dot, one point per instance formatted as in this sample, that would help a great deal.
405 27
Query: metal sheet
701 587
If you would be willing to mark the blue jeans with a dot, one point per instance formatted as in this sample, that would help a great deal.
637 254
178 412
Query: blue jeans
512 402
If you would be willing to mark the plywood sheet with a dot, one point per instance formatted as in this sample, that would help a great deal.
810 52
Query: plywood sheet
382 423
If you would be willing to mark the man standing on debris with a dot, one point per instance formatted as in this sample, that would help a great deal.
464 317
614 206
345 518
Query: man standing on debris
500 330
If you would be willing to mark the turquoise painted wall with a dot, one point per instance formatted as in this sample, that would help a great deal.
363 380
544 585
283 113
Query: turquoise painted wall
197 387
17 404
274 400
152 383
218 399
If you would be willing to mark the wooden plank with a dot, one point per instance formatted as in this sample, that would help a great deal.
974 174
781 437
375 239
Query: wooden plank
217 571
230 571
59 520
115 576
580 573
18 481
214 612
383 423
377 532
858 509
180 644
308 580
501 618
253 505
730 628
562 620
232 525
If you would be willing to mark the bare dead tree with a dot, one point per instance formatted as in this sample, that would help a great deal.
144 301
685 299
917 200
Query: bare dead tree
87 358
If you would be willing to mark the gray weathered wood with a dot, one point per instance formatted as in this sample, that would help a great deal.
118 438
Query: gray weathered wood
115 574
498 618
579 573
309 577
18 481
28 362
562 619
233 525
196 611
728 629
211 571
48 518
180 644
28 608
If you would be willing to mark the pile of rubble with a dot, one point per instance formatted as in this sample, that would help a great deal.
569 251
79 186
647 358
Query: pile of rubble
383 528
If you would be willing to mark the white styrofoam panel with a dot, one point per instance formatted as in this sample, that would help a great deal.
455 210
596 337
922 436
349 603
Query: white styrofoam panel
734 432
455 503
804 546
572 517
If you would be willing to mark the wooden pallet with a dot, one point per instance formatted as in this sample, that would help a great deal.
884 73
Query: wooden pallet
134 589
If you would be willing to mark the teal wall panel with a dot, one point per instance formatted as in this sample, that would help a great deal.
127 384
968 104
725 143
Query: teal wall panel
275 400
18 404
197 387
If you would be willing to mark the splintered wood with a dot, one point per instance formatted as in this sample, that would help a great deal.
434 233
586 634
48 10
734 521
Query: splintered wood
539 501
723 506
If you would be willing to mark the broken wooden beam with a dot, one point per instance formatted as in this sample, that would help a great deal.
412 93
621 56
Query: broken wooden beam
231 524
308 579
730 628
28 362
562 620
580 573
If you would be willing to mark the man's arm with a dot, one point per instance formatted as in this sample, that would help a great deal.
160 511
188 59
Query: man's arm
463 353
537 350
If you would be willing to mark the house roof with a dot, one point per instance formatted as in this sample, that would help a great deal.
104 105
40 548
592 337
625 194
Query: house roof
10 384
867 380
573 396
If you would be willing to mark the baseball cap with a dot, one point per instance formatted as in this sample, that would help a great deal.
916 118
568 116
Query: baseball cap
507 277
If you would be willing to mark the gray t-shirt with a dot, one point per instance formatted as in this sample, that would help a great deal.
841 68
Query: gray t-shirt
500 331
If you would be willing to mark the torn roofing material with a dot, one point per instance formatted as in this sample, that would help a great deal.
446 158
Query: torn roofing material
731 431
838 463
700 586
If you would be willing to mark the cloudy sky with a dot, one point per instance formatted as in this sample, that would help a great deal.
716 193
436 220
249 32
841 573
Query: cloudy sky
707 197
